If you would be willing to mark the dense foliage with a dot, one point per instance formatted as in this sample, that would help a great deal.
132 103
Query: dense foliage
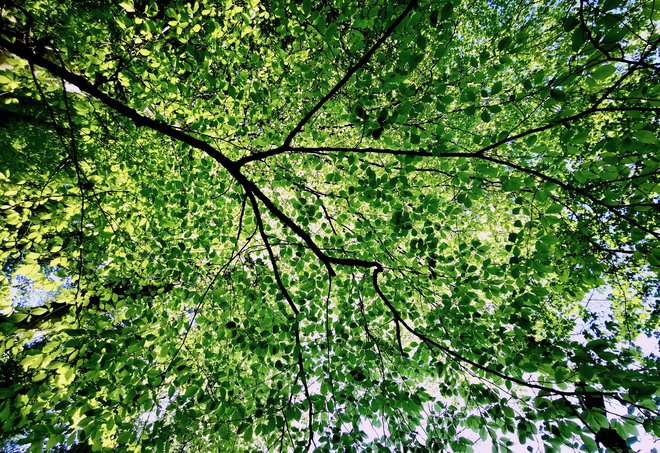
269 225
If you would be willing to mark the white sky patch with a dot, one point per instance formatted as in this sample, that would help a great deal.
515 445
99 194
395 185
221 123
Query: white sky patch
71 88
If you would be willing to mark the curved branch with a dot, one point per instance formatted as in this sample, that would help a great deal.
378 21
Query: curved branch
475 155
601 49
432 343
571 188
25 51
271 255
296 312
421 153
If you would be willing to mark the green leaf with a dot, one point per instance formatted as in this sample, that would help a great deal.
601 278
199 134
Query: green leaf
377 133
307 7
447 11
38 311
557 94
504 43
578 39
645 136
570 23
127 6
603 72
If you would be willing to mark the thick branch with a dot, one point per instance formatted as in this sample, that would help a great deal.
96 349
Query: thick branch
24 51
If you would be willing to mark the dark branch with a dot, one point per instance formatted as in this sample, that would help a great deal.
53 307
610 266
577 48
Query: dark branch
424 153
432 343
271 256
475 155
321 149
24 51
365 58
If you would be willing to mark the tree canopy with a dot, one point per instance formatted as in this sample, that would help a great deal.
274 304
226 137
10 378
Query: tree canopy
329 225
